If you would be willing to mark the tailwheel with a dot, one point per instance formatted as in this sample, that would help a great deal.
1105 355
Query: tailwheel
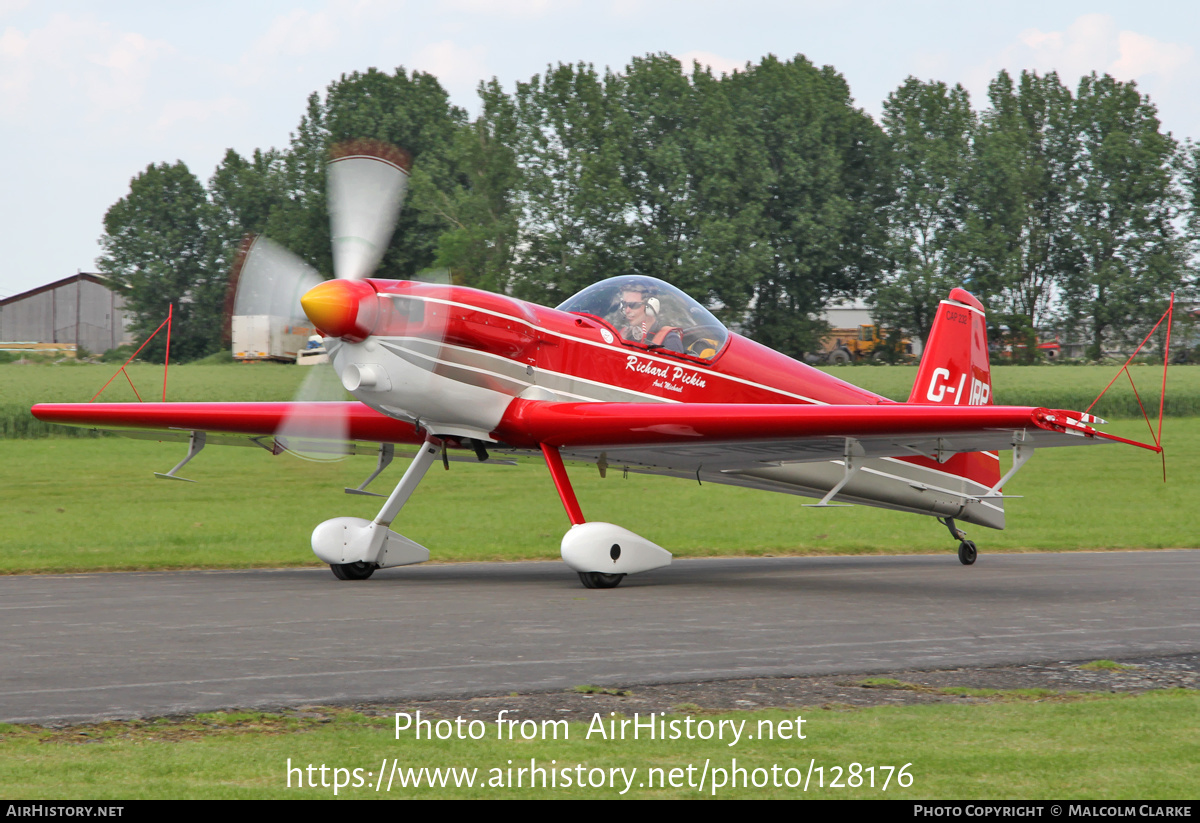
967 552
354 571
600 580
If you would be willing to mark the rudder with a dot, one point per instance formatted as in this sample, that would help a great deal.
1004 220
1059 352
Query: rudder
955 370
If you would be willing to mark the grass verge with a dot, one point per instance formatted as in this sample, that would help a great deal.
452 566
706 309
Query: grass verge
963 691
1107 666
1105 747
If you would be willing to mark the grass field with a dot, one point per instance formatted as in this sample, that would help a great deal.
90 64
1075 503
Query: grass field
1065 387
78 504
1098 747
22 386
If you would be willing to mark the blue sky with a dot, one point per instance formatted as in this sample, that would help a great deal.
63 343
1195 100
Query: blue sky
90 93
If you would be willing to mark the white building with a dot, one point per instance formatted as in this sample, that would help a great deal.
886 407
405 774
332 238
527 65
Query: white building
847 315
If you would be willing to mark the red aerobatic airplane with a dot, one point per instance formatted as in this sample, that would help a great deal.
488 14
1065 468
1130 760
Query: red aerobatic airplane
630 373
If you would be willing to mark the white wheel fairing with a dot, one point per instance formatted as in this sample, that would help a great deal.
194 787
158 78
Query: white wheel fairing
610 549
345 540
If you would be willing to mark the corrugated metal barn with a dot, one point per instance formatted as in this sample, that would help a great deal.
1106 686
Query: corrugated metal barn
81 309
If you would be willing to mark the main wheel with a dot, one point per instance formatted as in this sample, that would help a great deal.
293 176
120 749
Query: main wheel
600 580
967 552
352 571
839 357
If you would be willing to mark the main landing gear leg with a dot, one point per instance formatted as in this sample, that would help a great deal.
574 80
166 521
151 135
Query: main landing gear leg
966 548
354 548
601 553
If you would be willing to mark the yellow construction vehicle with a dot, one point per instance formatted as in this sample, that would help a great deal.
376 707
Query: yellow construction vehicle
862 343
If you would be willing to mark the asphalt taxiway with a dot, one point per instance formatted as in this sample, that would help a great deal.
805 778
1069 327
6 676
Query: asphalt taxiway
91 646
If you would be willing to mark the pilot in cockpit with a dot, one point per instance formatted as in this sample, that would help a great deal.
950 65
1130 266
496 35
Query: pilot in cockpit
640 319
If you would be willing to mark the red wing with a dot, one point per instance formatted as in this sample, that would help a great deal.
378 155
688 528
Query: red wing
719 436
235 423
713 435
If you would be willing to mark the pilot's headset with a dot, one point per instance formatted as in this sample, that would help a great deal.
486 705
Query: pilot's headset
653 306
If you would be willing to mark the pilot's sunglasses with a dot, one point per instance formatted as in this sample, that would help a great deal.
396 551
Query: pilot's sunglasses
636 304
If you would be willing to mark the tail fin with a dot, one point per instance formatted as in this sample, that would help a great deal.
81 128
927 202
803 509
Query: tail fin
955 371
954 368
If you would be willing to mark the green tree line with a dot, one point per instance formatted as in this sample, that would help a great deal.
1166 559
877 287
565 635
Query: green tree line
765 193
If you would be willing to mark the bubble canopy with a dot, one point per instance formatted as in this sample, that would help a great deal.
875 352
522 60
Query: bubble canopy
652 314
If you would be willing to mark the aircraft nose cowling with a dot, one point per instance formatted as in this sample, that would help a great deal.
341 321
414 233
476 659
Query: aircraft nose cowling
347 309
